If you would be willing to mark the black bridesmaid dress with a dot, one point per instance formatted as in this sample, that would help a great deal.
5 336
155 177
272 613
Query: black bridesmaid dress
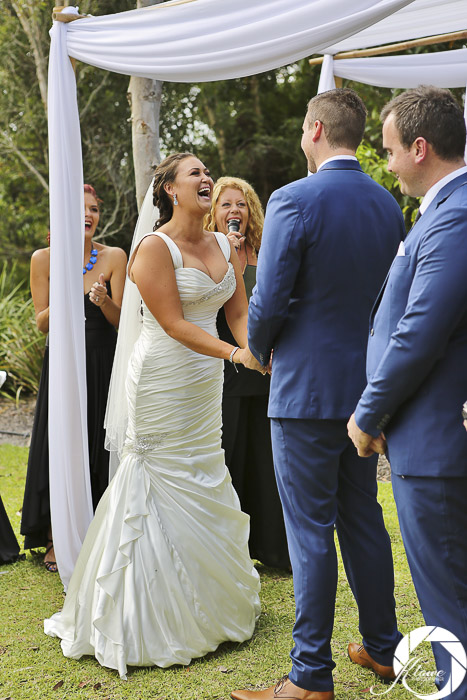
246 439
9 547
101 338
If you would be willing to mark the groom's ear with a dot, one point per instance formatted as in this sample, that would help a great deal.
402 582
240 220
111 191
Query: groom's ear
317 130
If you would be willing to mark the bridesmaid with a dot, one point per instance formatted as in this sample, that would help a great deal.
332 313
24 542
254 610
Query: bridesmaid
236 211
9 547
104 269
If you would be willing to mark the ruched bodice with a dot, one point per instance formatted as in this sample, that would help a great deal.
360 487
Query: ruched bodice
165 575
181 380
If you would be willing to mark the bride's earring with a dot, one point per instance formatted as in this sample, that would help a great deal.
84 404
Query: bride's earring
175 201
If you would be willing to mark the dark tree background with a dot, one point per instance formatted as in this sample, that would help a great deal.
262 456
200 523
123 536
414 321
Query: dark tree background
249 127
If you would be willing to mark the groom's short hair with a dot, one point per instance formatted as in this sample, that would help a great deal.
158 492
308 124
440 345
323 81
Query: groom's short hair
342 114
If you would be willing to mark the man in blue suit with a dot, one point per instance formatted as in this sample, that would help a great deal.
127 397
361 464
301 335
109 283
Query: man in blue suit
417 360
328 242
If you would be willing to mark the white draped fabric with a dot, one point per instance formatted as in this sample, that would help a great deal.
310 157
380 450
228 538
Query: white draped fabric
419 19
326 78
204 40
70 488
446 69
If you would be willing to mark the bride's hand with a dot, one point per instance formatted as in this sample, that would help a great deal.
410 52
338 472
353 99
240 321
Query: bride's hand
245 357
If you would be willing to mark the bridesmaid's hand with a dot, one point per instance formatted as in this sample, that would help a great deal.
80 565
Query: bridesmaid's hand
98 292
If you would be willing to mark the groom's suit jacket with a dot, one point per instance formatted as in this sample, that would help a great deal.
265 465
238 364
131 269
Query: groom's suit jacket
417 349
328 242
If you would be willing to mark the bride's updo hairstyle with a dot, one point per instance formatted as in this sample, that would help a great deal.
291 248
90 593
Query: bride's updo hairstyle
165 173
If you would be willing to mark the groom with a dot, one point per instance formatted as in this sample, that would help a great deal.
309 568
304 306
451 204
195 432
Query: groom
328 242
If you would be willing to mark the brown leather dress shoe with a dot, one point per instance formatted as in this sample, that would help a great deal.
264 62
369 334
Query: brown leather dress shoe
283 690
359 655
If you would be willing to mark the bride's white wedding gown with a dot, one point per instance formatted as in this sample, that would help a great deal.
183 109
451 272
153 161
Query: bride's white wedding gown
164 574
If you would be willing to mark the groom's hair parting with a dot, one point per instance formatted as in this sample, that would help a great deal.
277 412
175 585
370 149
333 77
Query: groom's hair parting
431 113
342 114
164 173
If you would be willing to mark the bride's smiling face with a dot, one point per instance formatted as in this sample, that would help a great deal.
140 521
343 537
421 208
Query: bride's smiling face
192 185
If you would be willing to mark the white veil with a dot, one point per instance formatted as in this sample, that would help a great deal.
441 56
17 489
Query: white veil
116 415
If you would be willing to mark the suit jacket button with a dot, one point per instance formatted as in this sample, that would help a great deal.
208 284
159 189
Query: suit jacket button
372 332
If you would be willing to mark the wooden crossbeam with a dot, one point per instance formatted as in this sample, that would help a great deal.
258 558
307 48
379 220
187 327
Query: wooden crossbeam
64 17
394 48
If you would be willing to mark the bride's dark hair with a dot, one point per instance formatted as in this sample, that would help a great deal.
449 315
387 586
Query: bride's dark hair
164 173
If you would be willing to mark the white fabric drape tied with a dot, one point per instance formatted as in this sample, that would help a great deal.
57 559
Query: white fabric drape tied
70 488
326 78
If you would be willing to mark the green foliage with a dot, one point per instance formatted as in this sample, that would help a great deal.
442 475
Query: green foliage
249 127
23 135
106 133
21 344
375 166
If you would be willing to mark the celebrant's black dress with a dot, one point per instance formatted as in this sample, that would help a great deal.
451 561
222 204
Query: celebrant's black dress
9 547
246 439
101 338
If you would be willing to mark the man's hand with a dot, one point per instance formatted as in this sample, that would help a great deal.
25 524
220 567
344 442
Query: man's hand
245 356
366 444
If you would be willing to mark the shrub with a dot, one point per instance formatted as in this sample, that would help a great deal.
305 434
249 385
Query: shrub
21 343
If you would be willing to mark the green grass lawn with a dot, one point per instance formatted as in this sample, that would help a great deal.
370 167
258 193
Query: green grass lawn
32 666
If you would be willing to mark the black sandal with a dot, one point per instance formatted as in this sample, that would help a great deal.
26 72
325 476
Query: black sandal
50 565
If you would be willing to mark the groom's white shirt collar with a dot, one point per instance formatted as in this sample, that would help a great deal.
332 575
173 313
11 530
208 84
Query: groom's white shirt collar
433 191
328 160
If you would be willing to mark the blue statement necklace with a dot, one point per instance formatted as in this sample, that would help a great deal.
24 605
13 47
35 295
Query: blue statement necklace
92 260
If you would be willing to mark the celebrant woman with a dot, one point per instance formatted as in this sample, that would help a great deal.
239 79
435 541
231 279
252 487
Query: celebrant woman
103 279
164 575
246 433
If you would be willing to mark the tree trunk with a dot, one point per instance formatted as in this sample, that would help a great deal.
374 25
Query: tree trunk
28 14
144 96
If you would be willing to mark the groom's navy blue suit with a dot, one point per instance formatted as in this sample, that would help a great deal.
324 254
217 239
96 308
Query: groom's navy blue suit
327 245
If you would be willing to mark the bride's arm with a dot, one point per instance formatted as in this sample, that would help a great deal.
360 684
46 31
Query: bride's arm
152 271
236 313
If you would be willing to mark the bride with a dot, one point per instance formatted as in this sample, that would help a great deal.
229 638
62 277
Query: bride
164 574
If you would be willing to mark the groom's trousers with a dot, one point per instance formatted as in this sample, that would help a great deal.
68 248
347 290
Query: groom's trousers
324 484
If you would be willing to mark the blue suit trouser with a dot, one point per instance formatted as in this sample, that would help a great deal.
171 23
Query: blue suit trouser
433 519
323 483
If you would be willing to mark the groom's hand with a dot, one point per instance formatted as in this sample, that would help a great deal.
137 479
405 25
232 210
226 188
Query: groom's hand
366 444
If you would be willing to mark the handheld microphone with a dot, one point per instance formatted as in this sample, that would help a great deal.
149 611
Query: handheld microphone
233 225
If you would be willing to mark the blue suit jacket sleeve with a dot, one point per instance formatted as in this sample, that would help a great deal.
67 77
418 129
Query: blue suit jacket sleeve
436 304
279 261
